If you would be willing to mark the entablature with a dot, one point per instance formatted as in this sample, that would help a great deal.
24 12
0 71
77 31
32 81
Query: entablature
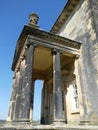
40 37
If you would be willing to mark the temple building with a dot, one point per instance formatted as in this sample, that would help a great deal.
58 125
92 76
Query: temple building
66 60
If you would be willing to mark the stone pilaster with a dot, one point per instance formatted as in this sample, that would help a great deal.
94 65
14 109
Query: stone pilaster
82 92
58 116
88 94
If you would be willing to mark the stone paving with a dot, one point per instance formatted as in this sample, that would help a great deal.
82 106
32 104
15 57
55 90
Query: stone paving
46 127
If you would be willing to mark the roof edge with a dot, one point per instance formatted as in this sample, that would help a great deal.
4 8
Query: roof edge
64 15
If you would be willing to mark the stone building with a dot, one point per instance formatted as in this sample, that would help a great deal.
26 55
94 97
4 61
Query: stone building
66 59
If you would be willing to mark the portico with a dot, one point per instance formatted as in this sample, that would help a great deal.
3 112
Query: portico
45 56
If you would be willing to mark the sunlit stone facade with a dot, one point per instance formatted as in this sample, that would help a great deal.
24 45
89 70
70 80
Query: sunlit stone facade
66 60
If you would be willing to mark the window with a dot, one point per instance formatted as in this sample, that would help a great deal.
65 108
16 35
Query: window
75 96
75 102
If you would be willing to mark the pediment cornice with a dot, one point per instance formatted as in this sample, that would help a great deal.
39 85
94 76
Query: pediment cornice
64 15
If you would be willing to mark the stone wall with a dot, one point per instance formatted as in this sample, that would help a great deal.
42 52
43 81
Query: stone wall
82 26
73 114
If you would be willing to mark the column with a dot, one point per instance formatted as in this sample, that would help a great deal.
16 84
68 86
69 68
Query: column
43 104
27 86
65 84
28 83
50 103
58 116
31 102
46 103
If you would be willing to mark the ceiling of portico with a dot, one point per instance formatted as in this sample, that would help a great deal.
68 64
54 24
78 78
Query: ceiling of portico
43 62
42 58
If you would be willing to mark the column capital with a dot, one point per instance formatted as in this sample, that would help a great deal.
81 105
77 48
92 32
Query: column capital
55 51
77 56
28 44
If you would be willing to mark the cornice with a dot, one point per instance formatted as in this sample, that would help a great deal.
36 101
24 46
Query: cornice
47 36
67 10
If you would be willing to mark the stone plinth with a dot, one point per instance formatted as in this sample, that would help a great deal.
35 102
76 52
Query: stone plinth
46 127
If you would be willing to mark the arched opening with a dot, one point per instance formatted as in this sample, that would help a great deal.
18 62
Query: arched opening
37 101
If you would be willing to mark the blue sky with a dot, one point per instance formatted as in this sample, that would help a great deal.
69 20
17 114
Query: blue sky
13 16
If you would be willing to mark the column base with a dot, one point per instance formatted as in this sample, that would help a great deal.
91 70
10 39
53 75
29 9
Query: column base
58 122
21 122
42 120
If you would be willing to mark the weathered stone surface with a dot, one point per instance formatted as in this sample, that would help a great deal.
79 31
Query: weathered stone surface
48 127
76 66
27 88
82 26
13 100
57 88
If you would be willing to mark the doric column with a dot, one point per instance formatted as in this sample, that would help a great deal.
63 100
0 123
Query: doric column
32 101
28 83
43 104
64 96
58 116
46 103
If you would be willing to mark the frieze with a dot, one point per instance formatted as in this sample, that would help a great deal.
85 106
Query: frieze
55 38
36 32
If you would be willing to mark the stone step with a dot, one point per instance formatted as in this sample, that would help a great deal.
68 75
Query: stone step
48 127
